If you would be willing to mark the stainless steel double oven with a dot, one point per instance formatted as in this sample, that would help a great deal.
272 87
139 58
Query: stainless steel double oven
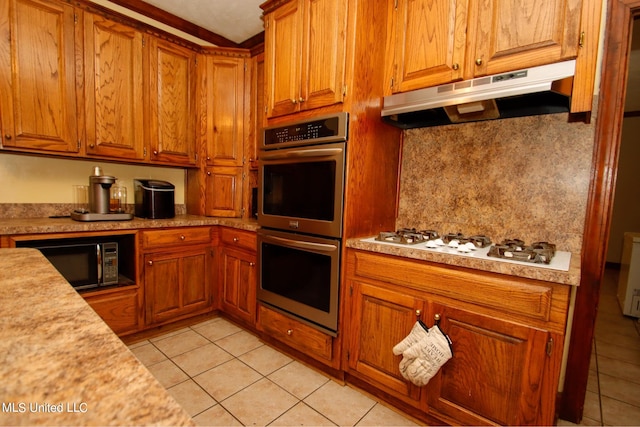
300 204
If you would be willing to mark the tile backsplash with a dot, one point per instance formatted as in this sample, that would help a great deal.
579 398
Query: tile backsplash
524 178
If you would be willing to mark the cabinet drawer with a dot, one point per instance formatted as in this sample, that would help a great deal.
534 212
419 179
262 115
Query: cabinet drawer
295 334
239 238
177 236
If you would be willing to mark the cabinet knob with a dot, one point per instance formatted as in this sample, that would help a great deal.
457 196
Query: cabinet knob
289 332
208 158
7 136
155 152
418 313
150 262
437 318
479 61
302 99
236 240
456 67
208 173
251 264
182 237
92 146
294 101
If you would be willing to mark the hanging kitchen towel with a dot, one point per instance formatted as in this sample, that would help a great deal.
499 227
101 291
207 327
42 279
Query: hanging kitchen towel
427 351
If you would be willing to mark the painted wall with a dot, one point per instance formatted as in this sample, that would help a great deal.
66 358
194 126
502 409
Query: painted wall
626 207
31 179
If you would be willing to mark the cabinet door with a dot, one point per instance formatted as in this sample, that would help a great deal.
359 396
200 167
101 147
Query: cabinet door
380 319
113 75
496 373
237 278
172 79
177 283
283 58
225 131
510 35
430 42
323 53
38 76
223 191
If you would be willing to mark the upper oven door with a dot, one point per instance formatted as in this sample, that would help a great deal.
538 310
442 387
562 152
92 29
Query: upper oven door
302 189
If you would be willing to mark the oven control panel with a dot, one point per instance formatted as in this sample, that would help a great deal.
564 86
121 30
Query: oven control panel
315 130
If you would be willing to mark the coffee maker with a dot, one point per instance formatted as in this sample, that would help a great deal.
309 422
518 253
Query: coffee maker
99 200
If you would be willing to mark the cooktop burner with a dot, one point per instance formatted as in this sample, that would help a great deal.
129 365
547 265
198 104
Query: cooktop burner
538 252
479 246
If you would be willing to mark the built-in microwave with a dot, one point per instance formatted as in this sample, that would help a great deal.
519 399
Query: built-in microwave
84 265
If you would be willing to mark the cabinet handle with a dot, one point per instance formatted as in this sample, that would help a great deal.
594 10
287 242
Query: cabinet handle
7 136
418 313
456 67
150 263
479 61
289 332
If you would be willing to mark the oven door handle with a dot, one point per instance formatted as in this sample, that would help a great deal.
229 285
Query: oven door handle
308 152
322 247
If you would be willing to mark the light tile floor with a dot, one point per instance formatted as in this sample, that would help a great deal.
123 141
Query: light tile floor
613 390
223 375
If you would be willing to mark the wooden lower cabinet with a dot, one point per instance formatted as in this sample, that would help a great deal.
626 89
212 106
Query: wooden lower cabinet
237 275
177 274
506 363
119 308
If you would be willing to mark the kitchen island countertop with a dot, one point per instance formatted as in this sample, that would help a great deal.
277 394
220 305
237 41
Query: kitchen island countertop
60 364
14 226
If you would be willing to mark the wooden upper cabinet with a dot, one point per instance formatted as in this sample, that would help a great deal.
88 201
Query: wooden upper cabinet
510 35
38 78
305 48
172 103
226 93
114 96
436 42
430 43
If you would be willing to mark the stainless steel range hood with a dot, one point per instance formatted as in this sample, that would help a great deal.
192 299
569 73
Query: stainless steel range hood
538 90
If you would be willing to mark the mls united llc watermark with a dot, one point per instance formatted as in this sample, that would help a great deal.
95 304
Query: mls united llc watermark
44 407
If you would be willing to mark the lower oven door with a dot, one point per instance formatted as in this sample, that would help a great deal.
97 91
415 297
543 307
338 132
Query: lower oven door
300 275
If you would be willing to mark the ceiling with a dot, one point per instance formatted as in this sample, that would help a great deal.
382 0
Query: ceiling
236 23
236 20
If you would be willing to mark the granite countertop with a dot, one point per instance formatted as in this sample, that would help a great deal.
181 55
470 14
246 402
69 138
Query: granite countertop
67 225
570 277
60 364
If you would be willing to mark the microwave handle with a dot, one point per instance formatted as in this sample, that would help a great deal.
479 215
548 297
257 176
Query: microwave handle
313 152
323 247
99 259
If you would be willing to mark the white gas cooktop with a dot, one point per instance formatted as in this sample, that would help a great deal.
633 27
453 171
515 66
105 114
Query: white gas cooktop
560 261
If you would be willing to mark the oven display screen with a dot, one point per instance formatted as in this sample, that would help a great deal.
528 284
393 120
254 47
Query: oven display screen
311 130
